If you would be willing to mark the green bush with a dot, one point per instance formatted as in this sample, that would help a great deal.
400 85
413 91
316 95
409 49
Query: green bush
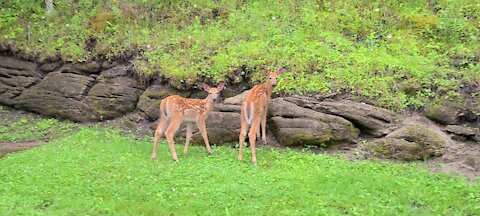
398 53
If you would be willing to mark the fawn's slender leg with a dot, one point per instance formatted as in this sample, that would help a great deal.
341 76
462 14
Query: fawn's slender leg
162 125
252 136
243 133
188 138
203 131
264 126
170 133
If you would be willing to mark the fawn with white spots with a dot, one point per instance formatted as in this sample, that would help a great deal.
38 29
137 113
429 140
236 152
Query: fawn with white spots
254 112
176 109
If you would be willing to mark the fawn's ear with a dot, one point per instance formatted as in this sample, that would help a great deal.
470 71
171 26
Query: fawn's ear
266 72
221 86
280 70
205 87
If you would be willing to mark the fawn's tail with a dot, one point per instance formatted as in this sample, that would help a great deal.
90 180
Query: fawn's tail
248 117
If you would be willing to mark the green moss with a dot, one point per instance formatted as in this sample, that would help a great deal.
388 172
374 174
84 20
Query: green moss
413 142
113 101
443 111
377 148
424 136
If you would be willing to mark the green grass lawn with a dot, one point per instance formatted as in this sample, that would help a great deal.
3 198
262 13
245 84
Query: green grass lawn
104 172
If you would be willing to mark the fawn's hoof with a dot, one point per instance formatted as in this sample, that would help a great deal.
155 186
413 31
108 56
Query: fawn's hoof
254 163
154 157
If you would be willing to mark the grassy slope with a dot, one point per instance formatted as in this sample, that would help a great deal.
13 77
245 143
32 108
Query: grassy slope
400 53
103 172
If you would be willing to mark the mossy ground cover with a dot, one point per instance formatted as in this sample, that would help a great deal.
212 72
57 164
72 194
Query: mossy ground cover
397 53
104 171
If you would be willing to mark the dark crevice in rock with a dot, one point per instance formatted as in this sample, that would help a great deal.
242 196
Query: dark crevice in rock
386 121
7 83
86 90
106 96
9 73
15 95
71 71
138 87
288 116
12 68
4 75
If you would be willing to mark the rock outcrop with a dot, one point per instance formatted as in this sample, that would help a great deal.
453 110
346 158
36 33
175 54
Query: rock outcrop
369 119
222 128
59 95
463 133
443 113
70 94
16 76
114 94
413 141
104 89
295 125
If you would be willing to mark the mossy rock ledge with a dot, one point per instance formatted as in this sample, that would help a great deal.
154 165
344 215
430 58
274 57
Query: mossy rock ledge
295 125
412 142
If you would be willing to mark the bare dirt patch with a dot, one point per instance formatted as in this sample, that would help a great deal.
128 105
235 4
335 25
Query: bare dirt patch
9 147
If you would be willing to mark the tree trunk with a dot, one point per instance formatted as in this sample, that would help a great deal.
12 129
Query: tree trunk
49 6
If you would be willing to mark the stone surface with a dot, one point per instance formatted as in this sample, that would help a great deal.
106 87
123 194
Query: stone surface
91 67
294 125
413 141
16 64
236 100
15 77
463 133
461 130
369 119
109 64
222 128
443 113
227 108
59 95
114 94
49 67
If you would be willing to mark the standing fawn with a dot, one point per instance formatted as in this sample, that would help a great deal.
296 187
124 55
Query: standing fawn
176 109
254 111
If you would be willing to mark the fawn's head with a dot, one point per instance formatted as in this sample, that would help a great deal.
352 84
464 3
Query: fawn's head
272 76
213 93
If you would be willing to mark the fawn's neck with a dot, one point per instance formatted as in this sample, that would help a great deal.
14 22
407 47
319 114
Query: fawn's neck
269 87
209 103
